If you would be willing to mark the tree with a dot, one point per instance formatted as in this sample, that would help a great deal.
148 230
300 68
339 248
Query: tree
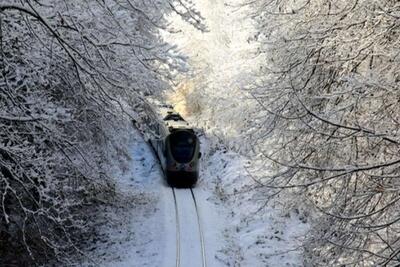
71 74
330 88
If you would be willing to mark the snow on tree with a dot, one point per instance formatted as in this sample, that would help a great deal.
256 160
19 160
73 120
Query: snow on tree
71 73
330 87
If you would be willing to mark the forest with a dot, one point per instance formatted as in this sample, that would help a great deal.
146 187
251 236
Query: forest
308 95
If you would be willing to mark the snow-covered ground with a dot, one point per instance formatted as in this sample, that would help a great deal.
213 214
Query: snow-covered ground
141 229
259 233
132 234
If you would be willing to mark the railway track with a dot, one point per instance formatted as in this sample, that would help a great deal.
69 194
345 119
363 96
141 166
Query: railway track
190 245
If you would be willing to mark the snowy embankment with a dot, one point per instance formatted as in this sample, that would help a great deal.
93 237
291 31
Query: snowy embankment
130 234
258 233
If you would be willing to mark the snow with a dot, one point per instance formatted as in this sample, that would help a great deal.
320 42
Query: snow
257 234
169 230
213 218
132 232
190 248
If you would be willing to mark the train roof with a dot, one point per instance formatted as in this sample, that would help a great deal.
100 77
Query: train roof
170 118
177 124
174 121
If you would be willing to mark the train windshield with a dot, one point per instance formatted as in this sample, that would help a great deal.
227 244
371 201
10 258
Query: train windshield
183 145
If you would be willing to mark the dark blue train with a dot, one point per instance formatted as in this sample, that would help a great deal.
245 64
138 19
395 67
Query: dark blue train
175 144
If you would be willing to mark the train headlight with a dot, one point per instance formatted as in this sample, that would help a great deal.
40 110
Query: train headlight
189 166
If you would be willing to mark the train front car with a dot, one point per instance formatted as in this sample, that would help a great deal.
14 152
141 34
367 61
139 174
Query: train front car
182 158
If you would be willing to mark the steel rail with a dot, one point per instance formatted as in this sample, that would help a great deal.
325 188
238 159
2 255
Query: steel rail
178 233
202 243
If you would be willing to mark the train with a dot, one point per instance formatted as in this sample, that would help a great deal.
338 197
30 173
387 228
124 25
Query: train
175 143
